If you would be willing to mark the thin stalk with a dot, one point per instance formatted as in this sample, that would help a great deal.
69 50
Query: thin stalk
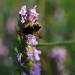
65 42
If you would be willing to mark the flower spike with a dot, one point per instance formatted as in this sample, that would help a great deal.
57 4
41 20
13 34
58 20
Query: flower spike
27 55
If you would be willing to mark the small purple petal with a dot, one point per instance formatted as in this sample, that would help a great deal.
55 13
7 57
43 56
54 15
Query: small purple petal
32 39
30 56
19 55
36 69
34 13
28 15
23 10
23 73
59 53
36 54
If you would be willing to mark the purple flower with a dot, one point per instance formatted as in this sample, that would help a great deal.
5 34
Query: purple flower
30 52
37 66
59 53
28 15
33 14
33 53
23 10
23 13
36 54
23 73
19 55
22 20
32 73
32 40
36 69
30 55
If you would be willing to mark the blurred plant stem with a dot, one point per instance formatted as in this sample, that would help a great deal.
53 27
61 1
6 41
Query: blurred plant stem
65 42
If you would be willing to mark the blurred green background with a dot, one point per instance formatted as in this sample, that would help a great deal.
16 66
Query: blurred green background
57 18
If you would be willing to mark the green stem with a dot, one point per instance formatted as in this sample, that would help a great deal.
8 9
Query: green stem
65 42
